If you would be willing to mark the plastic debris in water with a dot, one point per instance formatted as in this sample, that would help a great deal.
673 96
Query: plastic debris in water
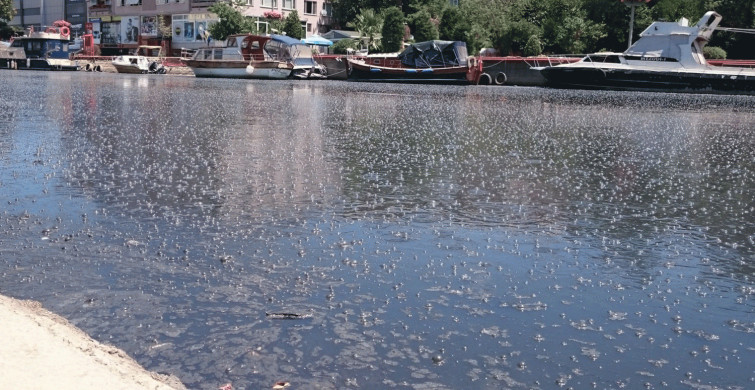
280 385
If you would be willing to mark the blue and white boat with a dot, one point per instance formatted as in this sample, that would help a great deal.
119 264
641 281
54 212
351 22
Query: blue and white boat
39 50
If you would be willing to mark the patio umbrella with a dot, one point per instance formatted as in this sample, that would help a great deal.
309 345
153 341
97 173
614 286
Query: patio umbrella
317 40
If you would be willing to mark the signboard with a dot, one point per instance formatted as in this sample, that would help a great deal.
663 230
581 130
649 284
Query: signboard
149 26
129 29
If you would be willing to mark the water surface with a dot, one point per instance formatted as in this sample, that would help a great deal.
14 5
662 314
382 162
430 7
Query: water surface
440 237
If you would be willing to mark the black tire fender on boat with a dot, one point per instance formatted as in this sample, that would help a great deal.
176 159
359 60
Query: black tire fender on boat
97 68
500 78
88 67
485 79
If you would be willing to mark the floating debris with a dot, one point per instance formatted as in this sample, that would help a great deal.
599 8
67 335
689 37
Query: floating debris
288 316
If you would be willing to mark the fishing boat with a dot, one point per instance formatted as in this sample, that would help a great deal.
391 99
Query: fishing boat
252 56
138 63
39 50
668 57
440 61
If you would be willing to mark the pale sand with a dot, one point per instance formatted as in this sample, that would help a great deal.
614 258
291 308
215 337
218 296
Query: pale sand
41 350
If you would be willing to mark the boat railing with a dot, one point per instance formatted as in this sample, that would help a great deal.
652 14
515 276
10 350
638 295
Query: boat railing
187 53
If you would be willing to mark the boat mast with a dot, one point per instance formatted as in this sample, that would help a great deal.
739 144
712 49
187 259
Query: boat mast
631 4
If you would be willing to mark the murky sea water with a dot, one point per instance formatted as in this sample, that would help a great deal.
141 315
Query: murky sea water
425 237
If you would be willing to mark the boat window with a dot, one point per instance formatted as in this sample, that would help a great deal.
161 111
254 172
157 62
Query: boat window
36 45
218 54
207 54
231 42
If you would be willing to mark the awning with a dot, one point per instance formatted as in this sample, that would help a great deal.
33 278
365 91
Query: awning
317 40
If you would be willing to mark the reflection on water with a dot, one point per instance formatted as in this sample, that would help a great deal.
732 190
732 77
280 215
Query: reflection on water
430 236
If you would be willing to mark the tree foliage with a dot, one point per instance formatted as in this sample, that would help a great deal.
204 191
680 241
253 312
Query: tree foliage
452 26
342 46
231 21
369 24
7 12
393 30
292 26
424 29
563 26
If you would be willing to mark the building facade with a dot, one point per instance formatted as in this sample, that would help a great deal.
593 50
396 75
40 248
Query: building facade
120 25
42 13
124 24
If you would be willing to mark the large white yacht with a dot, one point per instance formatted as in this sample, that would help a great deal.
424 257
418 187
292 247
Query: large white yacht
668 57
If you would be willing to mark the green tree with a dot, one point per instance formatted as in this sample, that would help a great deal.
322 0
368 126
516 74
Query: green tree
292 27
515 37
7 12
424 29
231 21
452 26
369 24
393 30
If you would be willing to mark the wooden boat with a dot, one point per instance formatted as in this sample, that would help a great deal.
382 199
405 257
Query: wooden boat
39 50
256 56
439 61
668 57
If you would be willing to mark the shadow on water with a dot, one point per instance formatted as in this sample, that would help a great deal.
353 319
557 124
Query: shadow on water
426 236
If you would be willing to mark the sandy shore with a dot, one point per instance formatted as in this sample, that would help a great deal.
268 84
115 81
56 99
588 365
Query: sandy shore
41 350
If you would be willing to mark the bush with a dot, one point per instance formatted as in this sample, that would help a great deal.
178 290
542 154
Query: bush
714 53
533 47
341 46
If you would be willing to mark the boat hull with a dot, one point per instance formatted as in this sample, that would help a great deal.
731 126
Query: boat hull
129 69
363 72
742 83
239 69
38 64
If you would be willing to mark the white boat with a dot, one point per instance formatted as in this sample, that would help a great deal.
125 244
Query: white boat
668 57
252 56
137 63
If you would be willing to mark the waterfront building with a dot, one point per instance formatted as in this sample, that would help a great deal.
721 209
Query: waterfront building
40 13
120 25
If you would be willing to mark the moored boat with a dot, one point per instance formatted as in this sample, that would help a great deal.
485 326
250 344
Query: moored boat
668 57
439 61
256 56
39 50
137 63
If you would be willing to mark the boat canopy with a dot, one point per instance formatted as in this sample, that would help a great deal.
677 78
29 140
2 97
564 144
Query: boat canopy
435 54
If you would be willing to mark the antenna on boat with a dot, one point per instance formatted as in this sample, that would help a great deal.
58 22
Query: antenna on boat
631 4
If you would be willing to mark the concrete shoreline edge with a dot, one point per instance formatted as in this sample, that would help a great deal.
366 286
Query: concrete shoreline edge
42 350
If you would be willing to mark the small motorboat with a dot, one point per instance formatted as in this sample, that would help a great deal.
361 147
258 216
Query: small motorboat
140 64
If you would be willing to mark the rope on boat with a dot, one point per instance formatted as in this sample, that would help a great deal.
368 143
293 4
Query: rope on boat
737 30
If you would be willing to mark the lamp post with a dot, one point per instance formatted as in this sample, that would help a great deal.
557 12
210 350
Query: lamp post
631 4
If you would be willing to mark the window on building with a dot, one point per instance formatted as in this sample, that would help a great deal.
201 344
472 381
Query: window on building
269 3
309 27
130 3
31 11
289 4
310 7
328 9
